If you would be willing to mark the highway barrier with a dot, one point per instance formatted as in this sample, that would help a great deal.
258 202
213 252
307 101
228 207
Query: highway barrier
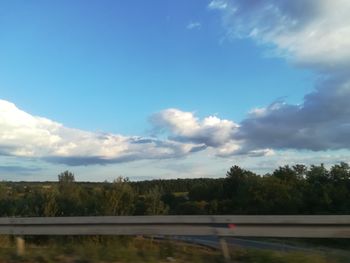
224 225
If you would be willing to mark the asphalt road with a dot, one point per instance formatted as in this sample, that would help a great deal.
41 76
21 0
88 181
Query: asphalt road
214 242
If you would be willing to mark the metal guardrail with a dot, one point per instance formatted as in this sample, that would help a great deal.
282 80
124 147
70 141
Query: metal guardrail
242 226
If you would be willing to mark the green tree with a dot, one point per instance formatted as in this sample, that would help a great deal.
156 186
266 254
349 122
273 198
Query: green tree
50 203
340 172
153 202
120 198
66 177
69 200
317 194
300 170
286 173
235 182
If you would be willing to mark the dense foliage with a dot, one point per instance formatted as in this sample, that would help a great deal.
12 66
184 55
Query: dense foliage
288 190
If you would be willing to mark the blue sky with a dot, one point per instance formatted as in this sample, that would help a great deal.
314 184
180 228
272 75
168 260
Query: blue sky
159 70
109 67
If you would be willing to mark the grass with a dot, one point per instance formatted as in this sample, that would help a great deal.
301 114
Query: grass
108 249
267 256
127 249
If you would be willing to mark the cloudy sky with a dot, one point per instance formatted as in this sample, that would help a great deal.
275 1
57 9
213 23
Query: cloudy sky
167 89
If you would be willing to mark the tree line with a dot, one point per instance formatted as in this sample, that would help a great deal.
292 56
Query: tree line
294 189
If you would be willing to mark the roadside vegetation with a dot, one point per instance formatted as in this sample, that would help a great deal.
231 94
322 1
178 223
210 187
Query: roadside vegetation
288 190
294 189
106 249
133 250
267 256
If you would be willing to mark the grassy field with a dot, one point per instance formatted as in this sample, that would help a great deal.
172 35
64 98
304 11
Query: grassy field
125 249
102 249
266 256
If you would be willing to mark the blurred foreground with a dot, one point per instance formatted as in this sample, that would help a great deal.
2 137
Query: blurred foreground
128 249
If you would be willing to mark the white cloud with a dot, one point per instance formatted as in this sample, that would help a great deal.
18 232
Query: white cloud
24 135
279 126
218 4
184 126
321 122
194 25
313 32
221 137
218 135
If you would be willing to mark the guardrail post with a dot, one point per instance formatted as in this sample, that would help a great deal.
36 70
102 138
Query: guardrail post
20 245
225 250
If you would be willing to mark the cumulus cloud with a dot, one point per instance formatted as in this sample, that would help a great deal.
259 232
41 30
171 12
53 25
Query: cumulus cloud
313 34
24 135
185 126
321 122
210 132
